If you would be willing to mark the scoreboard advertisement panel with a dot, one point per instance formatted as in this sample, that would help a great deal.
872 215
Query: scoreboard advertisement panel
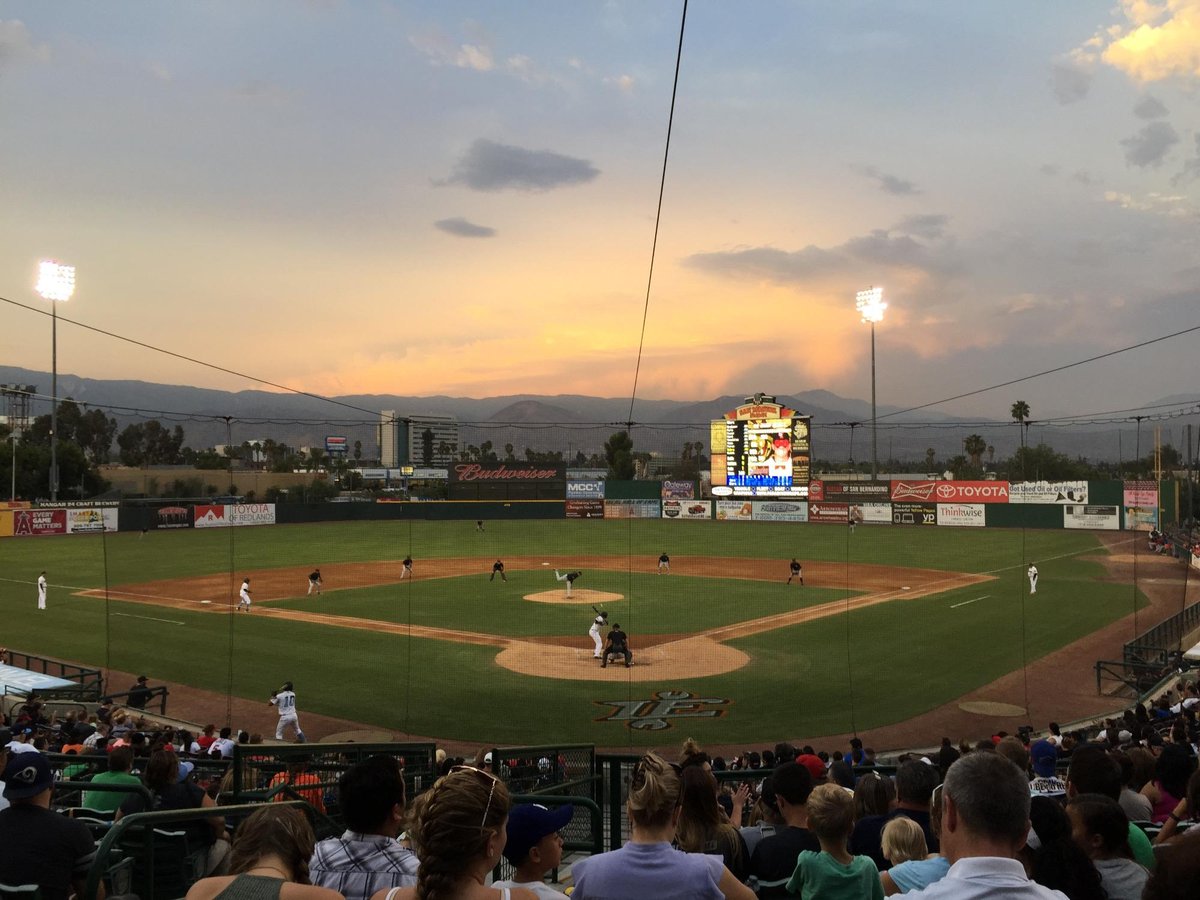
761 450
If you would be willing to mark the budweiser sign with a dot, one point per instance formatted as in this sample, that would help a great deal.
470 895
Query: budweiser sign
951 491
502 472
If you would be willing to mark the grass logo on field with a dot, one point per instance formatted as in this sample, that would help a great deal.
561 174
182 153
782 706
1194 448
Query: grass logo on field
655 714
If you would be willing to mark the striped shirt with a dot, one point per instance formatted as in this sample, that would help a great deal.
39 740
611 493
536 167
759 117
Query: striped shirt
357 865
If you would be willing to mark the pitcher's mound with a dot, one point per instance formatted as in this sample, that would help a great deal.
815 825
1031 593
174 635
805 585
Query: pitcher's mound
692 657
992 708
578 595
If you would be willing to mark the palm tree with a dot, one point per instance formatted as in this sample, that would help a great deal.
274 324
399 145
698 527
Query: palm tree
975 446
930 456
1020 411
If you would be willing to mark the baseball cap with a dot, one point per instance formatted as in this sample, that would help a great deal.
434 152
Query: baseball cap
816 768
26 775
142 678
487 757
528 823
185 770
1042 757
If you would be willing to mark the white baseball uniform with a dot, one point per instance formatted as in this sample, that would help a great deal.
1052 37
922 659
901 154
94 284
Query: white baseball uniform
594 633
285 703
569 578
244 596
42 591
1033 576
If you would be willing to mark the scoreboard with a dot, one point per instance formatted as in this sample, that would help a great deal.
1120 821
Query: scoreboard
761 450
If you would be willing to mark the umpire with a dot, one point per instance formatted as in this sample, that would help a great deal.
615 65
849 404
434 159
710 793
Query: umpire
618 645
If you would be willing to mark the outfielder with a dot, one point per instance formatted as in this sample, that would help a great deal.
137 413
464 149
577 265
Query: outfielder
498 569
406 572
1033 575
244 596
569 578
664 563
314 581
42 590
599 622
284 700
796 572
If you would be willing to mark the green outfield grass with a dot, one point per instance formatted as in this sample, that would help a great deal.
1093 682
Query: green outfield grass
860 669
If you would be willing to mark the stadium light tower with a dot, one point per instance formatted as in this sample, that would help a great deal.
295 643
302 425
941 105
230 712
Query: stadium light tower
870 306
56 283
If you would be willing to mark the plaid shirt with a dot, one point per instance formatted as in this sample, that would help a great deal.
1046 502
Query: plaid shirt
357 865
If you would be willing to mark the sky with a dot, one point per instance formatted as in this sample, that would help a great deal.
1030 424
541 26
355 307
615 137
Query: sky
460 197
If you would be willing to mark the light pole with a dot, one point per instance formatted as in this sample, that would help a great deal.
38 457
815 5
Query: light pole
56 283
870 306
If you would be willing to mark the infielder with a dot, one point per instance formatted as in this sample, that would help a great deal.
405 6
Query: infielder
664 563
42 591
569 578
796 572
1032 573
601 621
284 700
314 581
498 569
244 596
406 572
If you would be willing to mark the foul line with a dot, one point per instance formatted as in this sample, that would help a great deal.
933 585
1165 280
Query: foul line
965 602
148 618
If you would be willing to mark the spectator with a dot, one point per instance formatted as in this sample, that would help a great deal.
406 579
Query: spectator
985 820
297 782
1135 764
1175 765
223 746
1101 829
703 829
774 859
915 782
1186 809
840 773
693 755
120 765
918 873
1177 876
648 866
535 847
207 738
1051 856
138 695
458 832
270 859
1043 757
368 856
833 872
38 846
22 741
947 754
903 840
1093 771
765 819
871 796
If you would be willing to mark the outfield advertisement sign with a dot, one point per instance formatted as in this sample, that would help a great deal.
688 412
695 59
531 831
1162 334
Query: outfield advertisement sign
505 472
829 512
679 490
969 515
860 491
1140 493
585 509
36 522
780 511
950 491
1092 518
871 513
687 509
1073 492
225 516
585 490
914 514
90 521
734 510
632 509
173 517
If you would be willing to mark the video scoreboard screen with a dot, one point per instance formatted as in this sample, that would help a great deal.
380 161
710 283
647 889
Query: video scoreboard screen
756 457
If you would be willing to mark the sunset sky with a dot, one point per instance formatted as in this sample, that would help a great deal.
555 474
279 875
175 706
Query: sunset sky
459 197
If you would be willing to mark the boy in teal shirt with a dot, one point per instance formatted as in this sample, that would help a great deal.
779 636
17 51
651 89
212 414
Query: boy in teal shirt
833 874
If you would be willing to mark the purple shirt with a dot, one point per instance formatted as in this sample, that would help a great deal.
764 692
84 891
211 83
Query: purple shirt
648 870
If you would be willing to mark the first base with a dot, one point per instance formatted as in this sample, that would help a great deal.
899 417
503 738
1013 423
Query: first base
206 601
545 564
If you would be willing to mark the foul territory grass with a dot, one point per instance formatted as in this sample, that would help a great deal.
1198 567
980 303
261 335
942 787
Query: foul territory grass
855 670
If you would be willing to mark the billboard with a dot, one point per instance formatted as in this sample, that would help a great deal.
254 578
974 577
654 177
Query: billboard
922 491
507 473
335 444
1074 492
780 511
1093 518
225 516
36 522
734 511
853 491
961 515
761 449
829 512
679 490
871 513
87 521
173 517
914 514
208 515
585 490
1140 499
585 509
632 509
687 509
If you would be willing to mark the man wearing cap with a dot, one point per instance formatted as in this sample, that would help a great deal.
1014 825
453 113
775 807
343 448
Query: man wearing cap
22 741
138 695
618 645
774 859
915 781
1043 757
38 846
368 857
535 846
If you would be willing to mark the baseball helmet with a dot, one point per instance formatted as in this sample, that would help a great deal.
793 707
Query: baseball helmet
287 686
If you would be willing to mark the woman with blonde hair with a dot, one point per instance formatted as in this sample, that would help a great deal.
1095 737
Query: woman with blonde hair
648 866
458 832
269 860
702 825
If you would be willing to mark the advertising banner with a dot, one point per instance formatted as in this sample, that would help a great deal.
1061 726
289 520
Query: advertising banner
780 511
1074 492
734 511
872 513
679 490
504 472
1140 493
865 491
950 491
585 490
35 522
1093 518
1141 518
210 516
173 517
914 514
251 513
969 515
632 509
829 512
585 509
687 509
85 521
335 443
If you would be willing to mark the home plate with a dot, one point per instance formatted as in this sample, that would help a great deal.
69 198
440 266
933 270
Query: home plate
206 601
906 588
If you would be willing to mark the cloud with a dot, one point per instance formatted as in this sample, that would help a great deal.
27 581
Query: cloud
891 184
1150 108
1150 145
489 166
17 46
1070 80
441 50
1171 205
1191 168
1158 39
460 227
929 225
